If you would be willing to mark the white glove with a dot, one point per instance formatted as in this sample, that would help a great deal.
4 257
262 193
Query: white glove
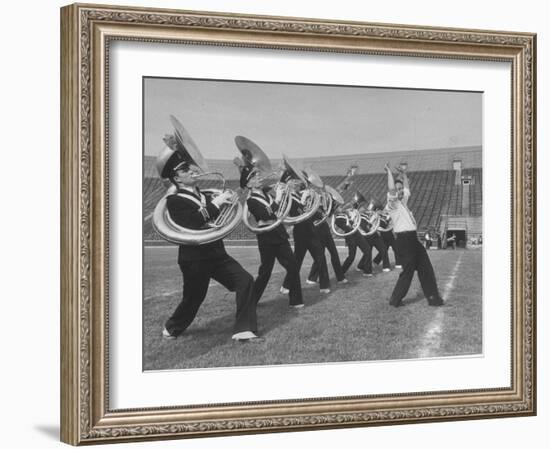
222 198
279 193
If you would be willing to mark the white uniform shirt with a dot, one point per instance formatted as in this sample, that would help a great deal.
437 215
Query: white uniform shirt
400 214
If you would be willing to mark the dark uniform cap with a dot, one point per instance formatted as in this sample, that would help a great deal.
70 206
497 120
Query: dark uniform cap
168 160
287 174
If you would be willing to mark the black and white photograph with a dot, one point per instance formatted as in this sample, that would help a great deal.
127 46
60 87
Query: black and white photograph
304 223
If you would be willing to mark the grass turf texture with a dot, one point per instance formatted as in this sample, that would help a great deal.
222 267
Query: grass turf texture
352 323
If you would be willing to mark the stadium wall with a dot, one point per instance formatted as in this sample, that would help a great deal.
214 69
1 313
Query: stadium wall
436 194
418 160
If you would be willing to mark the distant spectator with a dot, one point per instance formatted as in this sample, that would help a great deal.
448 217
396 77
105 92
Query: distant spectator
452 241
428 240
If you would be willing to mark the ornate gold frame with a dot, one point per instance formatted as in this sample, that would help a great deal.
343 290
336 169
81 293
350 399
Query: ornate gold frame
86 32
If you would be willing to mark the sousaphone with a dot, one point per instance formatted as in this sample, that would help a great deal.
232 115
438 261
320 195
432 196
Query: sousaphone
370 218
229 216
349 211
312 199
326 197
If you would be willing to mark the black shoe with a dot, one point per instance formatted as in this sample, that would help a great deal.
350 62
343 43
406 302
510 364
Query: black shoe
435 301
396 303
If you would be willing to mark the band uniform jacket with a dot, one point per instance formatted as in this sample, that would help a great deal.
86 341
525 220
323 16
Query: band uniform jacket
323 229
263 208
193 210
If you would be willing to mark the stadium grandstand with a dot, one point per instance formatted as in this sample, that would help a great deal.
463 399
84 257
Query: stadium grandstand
446 185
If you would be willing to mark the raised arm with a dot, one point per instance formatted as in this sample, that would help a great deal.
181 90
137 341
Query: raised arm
391 182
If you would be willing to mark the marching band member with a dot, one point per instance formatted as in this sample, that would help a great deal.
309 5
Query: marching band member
388 239
373 240
179 162
327 241
272 244
305 238
353 241
412 253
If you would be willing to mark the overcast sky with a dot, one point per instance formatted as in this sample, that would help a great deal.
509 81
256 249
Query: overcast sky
305 120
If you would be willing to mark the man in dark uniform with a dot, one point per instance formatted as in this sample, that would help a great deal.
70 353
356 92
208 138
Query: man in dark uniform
412 253
353 241
272 244
305 238
374 241
190 208
327 241
389 240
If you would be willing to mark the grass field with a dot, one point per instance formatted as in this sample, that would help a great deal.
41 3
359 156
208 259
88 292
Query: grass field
352 323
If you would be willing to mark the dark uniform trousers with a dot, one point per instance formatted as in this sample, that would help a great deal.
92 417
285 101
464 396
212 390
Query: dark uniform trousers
273 245
413 257
200 263
389 241
305 239
353 242
196 278
327 242
375 241
283 253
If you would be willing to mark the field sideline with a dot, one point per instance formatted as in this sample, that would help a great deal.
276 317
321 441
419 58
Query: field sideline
352 323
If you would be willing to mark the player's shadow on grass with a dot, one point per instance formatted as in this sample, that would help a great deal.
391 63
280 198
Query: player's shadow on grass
408 301
274 310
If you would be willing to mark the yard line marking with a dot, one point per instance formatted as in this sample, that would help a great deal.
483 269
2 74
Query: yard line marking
432 338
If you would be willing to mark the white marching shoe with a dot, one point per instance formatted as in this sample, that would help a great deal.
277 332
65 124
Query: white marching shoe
244 336
167 335
284 291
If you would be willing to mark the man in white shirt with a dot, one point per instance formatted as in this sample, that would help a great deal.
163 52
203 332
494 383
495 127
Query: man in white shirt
413 255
